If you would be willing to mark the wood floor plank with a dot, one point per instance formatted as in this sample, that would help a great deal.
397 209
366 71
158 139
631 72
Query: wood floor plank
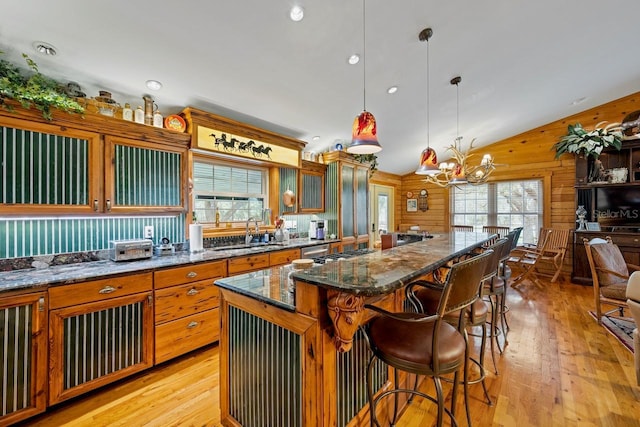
560 368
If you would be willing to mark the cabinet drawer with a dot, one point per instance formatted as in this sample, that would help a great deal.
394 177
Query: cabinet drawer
183 300
627 241
248 263
186 334
98 290
191 273
283 257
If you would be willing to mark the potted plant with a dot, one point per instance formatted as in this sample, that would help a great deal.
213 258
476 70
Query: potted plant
372 159
33 90
590 143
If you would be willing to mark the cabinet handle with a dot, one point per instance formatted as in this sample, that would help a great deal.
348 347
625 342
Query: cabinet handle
107 290
95 205
191 274
192 325
41 304
192 291
108 204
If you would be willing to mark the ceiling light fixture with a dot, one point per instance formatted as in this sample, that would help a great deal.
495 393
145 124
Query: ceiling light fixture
364 138
392 90
316 138
428 158
459 171
296 14
354 59
154 84
45 48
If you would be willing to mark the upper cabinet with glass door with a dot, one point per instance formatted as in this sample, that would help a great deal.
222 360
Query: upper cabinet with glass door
311 187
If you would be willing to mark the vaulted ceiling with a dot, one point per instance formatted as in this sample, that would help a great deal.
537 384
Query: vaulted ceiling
523 64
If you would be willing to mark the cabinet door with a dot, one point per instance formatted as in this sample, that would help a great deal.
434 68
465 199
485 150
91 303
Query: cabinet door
142 176
348 202
97 343
48 169
361 188
311 188
23 356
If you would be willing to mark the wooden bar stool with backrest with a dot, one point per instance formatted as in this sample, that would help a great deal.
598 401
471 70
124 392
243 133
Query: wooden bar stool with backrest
465 228
428 345
504 271
610 273
425 297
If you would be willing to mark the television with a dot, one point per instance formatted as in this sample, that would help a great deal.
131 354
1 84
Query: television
617 206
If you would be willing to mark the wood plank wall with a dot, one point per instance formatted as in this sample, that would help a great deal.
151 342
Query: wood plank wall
528 155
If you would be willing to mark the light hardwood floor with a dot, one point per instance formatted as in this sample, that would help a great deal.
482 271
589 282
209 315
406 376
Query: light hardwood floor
559 369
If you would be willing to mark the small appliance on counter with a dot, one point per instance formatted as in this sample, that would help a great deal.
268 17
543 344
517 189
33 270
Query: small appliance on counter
166 248
128 250
316 229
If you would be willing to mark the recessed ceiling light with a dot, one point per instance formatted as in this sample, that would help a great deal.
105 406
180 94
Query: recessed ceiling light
154 84
44 48
392 89
296 14
354 59
316 138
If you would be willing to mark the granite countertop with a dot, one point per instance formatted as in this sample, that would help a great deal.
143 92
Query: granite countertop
78 272
376 273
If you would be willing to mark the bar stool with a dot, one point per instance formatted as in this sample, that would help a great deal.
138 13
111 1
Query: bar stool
504 272
424 344
425 296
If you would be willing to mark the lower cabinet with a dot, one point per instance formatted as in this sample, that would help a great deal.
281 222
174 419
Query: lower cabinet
186 308
99 331
245 264
23 356
283 257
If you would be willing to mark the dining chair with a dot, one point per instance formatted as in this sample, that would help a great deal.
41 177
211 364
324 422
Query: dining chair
610 273
426 344
495 229
465 228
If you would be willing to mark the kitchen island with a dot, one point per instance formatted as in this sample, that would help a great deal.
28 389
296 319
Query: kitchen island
291 351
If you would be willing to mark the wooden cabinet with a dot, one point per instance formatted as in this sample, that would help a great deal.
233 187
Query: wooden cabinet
76 165
347 206
245 264
23 356
99 331
311 187
186 308
615 207
283 257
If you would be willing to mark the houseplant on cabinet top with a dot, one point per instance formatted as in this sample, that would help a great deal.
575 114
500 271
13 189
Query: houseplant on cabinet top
36 89
589 143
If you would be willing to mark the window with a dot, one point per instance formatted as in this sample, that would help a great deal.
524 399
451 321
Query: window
237 193
508 204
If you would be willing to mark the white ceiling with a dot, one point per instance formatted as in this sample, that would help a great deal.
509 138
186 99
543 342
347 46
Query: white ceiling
523 63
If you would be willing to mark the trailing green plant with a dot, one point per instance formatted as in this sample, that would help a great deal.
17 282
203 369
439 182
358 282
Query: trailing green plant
372 159
590 143
34 89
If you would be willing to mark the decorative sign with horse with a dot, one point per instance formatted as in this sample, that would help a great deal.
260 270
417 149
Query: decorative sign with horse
227 143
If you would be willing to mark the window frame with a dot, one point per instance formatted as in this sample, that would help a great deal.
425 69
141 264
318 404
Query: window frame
264 195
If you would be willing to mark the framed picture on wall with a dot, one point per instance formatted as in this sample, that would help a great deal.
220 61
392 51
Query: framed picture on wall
412 205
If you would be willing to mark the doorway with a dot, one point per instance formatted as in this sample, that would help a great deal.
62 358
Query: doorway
382 211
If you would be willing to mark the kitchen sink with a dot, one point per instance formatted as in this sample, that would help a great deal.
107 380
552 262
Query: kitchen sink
247 246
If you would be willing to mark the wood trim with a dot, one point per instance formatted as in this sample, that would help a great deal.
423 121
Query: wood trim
100 124
195 117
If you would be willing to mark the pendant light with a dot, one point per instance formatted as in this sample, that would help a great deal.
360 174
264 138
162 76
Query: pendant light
428 158
364 138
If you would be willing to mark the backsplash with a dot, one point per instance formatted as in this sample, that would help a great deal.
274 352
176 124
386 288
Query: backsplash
51 236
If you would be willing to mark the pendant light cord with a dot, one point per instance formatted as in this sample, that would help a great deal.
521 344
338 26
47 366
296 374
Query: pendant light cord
428 93
364 55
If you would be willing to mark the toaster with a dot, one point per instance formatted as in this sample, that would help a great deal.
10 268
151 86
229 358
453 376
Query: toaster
127 250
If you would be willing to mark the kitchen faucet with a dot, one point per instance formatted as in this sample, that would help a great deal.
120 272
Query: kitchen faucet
248 237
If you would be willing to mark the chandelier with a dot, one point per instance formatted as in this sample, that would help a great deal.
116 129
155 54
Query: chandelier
460 171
